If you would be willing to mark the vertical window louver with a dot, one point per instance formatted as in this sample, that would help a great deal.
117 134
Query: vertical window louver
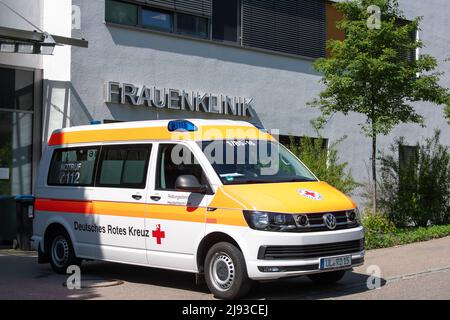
290 26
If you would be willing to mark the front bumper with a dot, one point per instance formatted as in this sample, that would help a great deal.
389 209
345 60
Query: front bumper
259 268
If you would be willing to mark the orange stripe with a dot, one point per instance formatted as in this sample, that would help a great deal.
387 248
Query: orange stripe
141 210
73 206
157 133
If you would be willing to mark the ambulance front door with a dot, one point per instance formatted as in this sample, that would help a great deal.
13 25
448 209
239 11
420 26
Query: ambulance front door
175 219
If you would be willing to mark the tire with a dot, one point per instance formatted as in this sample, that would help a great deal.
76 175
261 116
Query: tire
327 277
226 272
61 252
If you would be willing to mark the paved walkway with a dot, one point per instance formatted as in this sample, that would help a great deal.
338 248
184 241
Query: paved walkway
415 271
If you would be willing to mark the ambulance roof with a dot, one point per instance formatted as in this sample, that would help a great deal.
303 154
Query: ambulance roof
206 129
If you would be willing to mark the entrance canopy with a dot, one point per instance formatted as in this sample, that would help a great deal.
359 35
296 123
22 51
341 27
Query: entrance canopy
34 42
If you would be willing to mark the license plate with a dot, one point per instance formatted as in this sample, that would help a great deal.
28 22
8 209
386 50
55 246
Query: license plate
335 262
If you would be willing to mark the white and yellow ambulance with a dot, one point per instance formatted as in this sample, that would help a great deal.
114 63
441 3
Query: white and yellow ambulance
219 198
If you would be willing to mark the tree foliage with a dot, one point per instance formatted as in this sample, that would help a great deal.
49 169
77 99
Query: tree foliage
416 192
368 72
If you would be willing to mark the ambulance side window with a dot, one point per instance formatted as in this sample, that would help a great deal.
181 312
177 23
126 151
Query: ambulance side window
73 167
175 160
123 166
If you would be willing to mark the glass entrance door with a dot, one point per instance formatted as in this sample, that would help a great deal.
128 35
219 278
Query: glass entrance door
16 131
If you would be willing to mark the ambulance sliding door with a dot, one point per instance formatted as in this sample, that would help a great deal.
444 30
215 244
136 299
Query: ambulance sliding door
119 203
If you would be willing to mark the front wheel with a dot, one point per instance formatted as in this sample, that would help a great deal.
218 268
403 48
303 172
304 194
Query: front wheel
327 277
226 272
61 252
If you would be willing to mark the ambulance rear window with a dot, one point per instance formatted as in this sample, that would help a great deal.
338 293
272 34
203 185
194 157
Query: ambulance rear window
73 167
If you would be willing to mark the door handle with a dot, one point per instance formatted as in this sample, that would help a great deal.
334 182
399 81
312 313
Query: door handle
155 198
136 197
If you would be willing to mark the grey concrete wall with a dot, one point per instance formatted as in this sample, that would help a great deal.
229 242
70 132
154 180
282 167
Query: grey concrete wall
281 86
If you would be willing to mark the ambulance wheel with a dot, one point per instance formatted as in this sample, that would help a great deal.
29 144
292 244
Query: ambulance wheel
61 252
226 272
327 277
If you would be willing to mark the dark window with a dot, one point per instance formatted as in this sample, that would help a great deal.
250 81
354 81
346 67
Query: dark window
296 141
175 160
121 12
16 89
408 155
124 166
73 167
156 19
225 20
192 25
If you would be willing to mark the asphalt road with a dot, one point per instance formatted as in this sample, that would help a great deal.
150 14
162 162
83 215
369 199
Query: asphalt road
416 271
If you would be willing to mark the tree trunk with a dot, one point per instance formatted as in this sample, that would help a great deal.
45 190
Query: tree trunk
374 171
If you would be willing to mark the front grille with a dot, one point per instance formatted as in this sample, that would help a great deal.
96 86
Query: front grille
310 251
316 222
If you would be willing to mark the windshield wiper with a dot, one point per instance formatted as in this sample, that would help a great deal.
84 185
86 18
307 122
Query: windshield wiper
298 180
254 181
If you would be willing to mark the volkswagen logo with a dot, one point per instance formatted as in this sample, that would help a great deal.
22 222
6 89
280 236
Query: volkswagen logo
329 220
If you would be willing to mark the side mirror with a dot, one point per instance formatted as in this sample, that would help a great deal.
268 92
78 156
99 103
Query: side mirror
189 183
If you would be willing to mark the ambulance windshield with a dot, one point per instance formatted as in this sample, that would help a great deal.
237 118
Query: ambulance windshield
254 161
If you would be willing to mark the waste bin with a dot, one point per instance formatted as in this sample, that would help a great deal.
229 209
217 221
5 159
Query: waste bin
24 220
7 219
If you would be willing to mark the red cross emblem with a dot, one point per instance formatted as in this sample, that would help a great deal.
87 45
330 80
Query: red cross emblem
158 234
309 194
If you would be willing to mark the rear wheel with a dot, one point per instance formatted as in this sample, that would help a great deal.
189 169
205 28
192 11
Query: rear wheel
226 272
61 252
327 277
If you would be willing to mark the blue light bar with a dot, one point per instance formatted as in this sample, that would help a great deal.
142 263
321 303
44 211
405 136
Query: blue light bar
96 122
181 125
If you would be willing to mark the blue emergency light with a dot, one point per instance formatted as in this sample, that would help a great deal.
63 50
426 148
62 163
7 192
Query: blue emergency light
181 125
94 122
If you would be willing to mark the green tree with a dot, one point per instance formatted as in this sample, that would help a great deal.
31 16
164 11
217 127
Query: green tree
369 74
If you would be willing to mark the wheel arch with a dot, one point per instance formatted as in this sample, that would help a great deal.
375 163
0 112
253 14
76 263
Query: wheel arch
51 229
207 242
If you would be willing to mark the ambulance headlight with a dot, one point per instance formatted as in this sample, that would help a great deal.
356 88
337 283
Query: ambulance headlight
269 221
353 216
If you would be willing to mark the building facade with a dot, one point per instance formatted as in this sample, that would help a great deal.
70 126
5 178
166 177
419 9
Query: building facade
238 59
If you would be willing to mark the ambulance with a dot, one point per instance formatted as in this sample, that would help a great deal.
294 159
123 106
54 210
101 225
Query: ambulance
218 198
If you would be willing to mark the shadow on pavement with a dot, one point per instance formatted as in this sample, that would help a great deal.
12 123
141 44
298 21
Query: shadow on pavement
303 288
21 278
292 288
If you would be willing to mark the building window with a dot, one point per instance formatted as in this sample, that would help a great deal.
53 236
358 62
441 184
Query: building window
121 12
407 155
225 20
296 141
157 19
295 27
73 167
192 25
17 120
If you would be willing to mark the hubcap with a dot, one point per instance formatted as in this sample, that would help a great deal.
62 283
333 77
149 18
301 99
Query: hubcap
222 271
60 251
